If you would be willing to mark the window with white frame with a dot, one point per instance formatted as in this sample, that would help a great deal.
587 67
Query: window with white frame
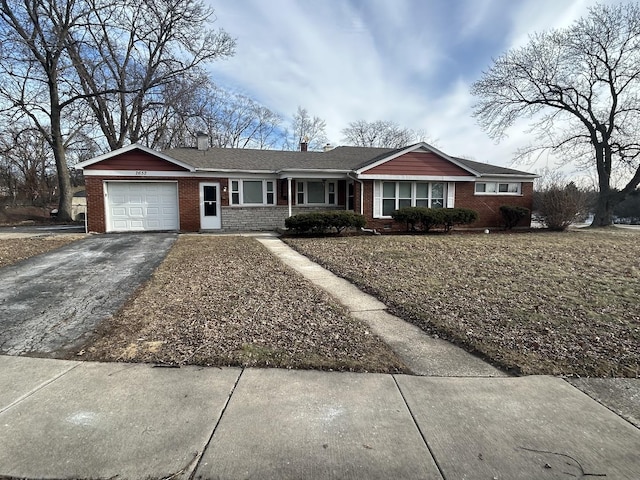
397 195
498 188
252 192
316 192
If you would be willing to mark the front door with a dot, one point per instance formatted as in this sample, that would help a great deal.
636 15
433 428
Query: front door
210 206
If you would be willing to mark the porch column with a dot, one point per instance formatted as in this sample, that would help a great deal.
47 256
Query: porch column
289 195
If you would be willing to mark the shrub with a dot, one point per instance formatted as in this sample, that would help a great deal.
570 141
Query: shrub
559 206
512 215
458 216
321 222
417 218
424 219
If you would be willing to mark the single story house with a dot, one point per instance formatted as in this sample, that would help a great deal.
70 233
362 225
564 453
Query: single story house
196 189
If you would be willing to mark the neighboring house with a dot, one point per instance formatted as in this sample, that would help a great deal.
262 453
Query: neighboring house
79 205
194 189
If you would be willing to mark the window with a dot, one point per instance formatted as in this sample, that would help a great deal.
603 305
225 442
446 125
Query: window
252 192
397 195
496 188
316 192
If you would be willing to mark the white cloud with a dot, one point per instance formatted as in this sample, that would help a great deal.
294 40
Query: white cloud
404 60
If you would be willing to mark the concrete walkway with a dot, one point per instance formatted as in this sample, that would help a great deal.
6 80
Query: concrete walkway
422 353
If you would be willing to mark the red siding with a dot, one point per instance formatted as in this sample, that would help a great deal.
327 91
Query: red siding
418 163
135 160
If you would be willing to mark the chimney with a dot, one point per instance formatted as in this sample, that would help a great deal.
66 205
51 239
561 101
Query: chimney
328 147
303 146
203 141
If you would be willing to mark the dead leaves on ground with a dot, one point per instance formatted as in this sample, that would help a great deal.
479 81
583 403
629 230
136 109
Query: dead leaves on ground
227 301
540 303
13 250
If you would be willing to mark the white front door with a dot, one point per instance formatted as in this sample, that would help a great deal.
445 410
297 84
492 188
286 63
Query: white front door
210 206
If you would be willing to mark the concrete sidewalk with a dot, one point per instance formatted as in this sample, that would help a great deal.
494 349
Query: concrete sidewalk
74 420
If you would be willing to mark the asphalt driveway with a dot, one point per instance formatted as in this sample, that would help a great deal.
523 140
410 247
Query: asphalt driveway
52 303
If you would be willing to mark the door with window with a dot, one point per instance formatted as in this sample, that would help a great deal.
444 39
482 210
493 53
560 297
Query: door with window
210 206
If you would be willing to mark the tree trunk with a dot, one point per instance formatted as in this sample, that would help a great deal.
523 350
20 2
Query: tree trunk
604 211
57 144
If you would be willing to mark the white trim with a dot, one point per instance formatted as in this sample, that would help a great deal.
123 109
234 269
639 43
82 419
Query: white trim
417 178
128 148
413 148
319 175
451 195
170 173
497 191
378 196
289 200
265 192
506 179
305 193
377 199
296 171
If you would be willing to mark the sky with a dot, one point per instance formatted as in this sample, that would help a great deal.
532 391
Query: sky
407 61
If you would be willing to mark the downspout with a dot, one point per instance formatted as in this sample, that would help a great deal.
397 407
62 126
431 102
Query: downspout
289 196
361 192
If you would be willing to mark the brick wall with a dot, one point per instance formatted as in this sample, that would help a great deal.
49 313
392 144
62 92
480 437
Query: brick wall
487 206
188 200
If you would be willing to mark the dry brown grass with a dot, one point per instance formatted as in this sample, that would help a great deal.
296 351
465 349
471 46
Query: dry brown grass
15 249
227 301
538 303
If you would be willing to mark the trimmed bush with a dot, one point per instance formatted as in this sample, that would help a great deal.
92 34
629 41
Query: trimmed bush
512 215
424 219
321 222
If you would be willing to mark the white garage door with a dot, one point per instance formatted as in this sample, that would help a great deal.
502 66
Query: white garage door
142 206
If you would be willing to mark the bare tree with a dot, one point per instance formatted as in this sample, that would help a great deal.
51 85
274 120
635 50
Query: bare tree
581 88
231 120
27 166
139 51
113 55
234 120
380 134
305 129
39 84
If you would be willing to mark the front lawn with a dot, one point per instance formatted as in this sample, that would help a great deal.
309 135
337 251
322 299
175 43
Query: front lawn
222 300
15 249
537 303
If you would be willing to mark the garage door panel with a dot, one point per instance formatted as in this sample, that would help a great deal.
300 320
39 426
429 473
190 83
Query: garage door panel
137 206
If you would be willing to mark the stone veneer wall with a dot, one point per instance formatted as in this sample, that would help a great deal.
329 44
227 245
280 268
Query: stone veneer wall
243 219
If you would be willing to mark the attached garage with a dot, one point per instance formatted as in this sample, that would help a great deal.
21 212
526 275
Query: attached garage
141 206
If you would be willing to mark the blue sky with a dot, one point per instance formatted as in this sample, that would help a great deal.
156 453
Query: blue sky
409 61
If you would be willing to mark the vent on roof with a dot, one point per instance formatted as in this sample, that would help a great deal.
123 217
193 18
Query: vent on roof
202 141
328 147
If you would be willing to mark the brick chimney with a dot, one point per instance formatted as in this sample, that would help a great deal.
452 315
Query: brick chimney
303 146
